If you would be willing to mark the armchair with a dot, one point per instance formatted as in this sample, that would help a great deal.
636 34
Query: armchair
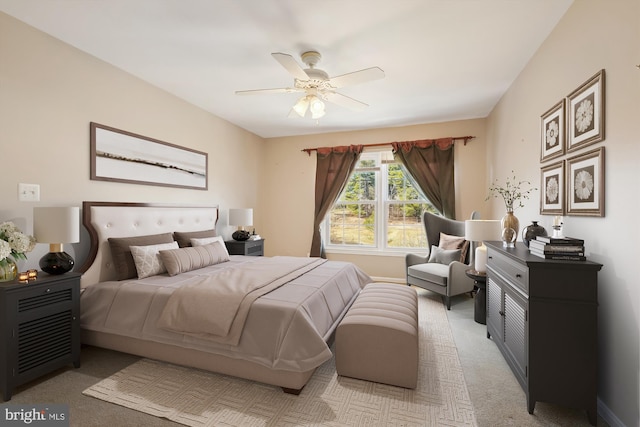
445 279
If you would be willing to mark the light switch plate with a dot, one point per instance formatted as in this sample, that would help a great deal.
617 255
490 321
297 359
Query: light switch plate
28 192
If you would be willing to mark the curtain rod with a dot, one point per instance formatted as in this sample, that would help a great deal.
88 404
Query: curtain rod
382 144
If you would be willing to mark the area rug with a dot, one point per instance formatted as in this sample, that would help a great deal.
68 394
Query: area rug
198 398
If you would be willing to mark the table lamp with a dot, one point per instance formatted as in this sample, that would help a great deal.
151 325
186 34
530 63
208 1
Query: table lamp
478 230
241 218
56 226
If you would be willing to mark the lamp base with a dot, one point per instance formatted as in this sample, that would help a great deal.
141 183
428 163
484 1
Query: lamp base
241 235
56 263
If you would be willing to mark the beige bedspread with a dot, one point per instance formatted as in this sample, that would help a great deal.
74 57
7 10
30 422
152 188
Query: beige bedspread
286 328
216 306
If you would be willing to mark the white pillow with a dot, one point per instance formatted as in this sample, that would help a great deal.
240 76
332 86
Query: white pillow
147 258
209 240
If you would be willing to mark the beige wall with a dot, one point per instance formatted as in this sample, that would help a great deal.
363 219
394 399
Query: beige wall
50 91
287 193
593 35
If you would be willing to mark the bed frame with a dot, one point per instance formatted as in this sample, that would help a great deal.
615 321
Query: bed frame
110 219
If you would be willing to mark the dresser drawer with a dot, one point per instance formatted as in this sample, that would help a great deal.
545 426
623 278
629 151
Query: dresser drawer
513 272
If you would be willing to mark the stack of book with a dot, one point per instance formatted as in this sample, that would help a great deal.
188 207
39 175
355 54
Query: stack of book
566 248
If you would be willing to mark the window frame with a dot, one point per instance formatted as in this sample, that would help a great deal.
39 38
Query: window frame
382 204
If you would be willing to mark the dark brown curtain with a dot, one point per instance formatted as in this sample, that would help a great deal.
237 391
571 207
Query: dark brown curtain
334 166
430 162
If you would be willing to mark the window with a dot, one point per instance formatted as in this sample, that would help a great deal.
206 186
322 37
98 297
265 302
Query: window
380 209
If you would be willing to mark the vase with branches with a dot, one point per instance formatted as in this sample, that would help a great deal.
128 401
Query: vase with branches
513 192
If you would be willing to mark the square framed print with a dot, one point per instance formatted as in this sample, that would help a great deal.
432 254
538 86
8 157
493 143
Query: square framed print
585 184
553 132
552 189
122 156
586 113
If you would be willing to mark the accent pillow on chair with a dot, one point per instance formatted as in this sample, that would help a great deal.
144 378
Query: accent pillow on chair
444 256
454 242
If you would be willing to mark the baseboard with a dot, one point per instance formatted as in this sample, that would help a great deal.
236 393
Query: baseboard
389 279
605 413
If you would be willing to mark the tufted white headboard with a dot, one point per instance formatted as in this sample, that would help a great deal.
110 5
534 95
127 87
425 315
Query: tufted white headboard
112 219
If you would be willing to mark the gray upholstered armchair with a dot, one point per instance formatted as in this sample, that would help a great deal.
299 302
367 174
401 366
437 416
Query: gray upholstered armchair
436 271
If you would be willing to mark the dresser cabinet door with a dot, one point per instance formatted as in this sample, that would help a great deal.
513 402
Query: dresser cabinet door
515 332
494 310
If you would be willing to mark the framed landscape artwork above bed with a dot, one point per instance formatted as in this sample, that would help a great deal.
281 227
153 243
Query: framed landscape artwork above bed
121 156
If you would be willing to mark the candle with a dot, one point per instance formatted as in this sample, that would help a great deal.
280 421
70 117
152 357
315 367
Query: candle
23 276
557 220
33 274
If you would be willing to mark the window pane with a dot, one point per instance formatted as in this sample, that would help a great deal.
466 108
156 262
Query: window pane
404 226
361 186
352 224
400 186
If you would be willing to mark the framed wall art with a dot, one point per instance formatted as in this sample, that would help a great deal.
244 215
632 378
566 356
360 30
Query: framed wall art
121 156
585 183
552 189
553 132
586 113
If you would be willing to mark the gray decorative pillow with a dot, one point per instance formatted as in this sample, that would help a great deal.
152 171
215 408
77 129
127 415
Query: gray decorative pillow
147 259
182 260
454 242
184 237
121 254
444 256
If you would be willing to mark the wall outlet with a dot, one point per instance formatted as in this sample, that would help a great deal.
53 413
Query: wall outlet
28 192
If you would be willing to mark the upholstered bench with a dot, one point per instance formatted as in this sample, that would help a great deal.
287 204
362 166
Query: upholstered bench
378 338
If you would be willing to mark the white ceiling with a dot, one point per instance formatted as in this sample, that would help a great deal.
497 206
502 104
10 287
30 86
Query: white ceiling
443 59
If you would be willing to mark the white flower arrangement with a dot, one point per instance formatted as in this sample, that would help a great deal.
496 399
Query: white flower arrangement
512 192
14 243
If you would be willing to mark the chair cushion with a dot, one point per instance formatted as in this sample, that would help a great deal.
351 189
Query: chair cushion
454 242
444 256
431 272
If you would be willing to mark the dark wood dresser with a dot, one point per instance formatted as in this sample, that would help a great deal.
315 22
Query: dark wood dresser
543 316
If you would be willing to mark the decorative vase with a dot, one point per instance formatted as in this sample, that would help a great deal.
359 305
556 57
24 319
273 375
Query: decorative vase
531 231
8 270
510 227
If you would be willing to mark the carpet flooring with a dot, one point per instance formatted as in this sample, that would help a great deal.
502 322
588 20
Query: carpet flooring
199 398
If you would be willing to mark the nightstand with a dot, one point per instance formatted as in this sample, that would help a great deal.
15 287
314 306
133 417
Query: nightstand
245 247
39 326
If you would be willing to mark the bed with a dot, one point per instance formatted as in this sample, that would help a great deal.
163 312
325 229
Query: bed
279 331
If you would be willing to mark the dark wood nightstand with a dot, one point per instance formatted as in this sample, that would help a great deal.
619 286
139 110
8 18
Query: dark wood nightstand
245 247
39 327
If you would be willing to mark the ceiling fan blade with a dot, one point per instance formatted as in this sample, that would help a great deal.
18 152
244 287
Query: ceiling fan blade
344 101
362 76
291 65
269 91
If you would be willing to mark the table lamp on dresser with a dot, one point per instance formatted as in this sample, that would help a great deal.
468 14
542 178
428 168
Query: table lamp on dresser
478 230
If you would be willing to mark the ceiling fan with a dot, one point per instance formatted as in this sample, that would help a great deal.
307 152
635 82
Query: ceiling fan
317 85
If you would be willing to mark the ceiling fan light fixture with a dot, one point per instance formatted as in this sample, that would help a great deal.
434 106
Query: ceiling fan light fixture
301 106
316 107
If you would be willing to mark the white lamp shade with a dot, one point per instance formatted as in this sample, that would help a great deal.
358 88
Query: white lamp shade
477 230
241 217
56 224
